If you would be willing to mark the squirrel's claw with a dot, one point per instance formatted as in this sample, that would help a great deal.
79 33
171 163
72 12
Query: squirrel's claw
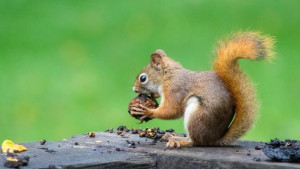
167 136
143 118
143 107
137 109
136 113
173 144
146 112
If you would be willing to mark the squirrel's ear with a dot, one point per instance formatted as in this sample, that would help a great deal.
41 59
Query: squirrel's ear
156 61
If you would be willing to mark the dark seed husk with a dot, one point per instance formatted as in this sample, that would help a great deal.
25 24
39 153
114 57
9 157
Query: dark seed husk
42 142
170 130
134 131
122 128
91 134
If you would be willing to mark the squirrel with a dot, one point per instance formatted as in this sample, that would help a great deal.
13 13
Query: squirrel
218 106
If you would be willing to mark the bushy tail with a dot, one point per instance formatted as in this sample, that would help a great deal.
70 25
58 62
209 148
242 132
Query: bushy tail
243 45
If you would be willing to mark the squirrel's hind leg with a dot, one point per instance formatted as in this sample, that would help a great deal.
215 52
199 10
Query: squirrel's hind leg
175 141
198 124
178 142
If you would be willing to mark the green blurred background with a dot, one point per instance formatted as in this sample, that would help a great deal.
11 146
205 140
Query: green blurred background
67 67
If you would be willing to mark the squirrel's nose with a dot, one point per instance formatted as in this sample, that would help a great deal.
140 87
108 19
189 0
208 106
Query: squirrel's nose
135 90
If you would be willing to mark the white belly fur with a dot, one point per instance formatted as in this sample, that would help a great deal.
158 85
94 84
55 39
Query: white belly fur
191 106
161 95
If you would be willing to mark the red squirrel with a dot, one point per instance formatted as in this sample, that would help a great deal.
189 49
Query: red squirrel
218 106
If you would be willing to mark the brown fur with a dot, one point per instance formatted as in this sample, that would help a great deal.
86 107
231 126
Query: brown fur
219 94
242 45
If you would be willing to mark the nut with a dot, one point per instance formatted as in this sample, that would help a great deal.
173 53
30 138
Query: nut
144 100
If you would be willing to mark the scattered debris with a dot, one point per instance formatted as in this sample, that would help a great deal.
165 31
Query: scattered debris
10 147
13 161
47 150
161 131
257 159
121 128
288 150
158 137
110 130
131 144
92 134
120 133
151 133
134 131
144 100
257 147
153 142
118 149
42 142
154 133
143 133
170 130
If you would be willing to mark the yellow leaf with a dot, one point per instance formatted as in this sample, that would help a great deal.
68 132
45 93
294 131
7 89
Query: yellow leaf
11 159
11 147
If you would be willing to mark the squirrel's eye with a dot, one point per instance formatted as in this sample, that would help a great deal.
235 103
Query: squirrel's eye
143 78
